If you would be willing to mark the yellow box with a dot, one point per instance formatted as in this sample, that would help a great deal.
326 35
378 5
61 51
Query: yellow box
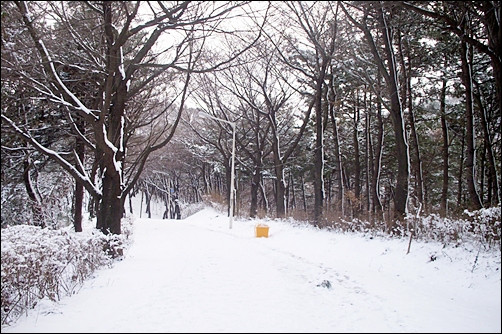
261 231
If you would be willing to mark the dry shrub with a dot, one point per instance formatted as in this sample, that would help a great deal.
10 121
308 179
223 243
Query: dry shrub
43 263
481 227
216 200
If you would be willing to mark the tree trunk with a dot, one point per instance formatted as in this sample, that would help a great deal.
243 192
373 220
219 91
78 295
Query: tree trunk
147 202
36 205
444 193
79 198
255 186
377 208
228 172
337 155
288 194
494 191
493 25
319 146
141 205
460 180
482 172
417 165
292 191
366 152
265 205
93 206
304 197
280 186
408 97
109 215
470 162
396 113
357 168
130 204
79 186
112 202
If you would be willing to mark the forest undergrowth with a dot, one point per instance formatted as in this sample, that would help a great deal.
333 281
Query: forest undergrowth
50 263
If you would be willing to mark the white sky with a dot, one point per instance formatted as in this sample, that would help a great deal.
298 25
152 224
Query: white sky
197 275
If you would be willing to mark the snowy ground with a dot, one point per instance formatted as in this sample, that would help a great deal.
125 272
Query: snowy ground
198 275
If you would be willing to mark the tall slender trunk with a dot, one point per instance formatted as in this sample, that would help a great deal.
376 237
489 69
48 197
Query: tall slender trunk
482 174
470 162
357 168
367 152
337 155
280 188
494 191
377 208
304 196
444 126
460 180
417 165
319 148
265 205
292 191
396 112
79 186
228 172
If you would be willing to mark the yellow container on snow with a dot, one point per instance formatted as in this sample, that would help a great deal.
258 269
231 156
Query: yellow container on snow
261 231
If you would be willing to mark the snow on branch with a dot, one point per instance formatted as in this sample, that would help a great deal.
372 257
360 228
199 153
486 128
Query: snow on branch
56 157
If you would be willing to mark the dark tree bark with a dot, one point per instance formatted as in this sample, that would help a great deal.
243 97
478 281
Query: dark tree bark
377 208
79 199
255 187
36 205
367 107
291 187
79 186
446 165
470 162
265 205
319 144
356 208
460 179
494 191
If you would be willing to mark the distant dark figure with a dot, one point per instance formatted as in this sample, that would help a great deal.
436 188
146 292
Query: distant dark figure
177 210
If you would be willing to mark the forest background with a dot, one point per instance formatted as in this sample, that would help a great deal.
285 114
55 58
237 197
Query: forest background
350 115
347 115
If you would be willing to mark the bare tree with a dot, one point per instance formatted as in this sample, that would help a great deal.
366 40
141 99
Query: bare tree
132 62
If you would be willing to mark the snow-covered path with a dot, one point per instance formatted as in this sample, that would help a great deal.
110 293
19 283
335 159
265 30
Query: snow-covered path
197 275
